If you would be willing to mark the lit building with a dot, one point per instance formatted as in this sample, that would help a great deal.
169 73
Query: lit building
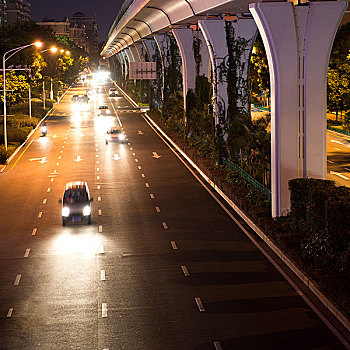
14 10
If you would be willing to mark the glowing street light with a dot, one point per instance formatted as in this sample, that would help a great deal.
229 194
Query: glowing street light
38 44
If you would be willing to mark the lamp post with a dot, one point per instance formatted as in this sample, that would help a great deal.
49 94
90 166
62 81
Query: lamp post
4 59
53 49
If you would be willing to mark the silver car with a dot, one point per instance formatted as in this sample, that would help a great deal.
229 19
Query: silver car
76 202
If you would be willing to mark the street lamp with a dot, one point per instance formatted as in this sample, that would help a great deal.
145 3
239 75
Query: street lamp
4 59
53 49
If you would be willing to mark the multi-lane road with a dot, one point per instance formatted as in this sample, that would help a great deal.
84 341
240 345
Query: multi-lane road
163 266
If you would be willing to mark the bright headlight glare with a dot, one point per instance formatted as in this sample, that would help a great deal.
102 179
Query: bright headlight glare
121 136
87 210
108 111
65 211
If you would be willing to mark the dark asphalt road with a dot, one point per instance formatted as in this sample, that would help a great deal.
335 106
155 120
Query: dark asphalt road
121 283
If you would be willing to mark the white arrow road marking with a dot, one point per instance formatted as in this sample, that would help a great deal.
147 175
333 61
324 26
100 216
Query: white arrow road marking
116 156
79 159
139 132
156 155
41 160
335 141
340 175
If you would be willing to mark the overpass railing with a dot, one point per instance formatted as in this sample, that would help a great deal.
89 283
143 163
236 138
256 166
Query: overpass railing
340 131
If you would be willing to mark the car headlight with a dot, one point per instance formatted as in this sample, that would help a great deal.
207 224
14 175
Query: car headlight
87 210
121 137
65 211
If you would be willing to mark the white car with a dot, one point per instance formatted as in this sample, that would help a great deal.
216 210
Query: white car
113 92
103 110
114 135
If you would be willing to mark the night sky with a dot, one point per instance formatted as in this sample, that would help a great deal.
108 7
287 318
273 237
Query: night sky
105 10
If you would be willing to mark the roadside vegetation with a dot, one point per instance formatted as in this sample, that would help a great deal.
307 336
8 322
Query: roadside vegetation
60 69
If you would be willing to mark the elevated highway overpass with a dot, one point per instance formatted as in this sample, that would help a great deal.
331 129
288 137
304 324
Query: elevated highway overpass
298 39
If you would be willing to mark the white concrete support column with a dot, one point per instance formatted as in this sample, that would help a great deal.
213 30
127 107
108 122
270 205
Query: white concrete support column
184 39
151 47
215 37
125 64
161 43
245 31
205 57
130 55
298 45
135 53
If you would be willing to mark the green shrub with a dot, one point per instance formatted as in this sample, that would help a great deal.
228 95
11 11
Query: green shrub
3 154
17 135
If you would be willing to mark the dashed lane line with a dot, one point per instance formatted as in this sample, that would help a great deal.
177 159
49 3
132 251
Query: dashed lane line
40 214
104 310
103 275
34 231
9 313
184 270
151 195
26 253
217 345
45 201
17 280
147 184
100 228
174 245
157 209
99 212
165 225
199 304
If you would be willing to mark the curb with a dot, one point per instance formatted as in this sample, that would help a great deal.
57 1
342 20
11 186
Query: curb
313 287
3 166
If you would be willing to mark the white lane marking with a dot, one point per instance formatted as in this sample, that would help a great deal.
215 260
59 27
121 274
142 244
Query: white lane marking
165 225
49 189
97 177
57 164
139 167
98 199
155 155
99 212
139 132
44 201
96 155
98 169
26 254
119 121
173 244
41 160
136 160
131 149
62 146
40 214
158 209
97 162
61 152
340 175
17 280
142 175
52 179
337 149
184 270
128 142
34 231
151 195
134 154
217 345
102 249
347 169
335 141
199 304
96 145
96 149
147 184
59 157
100 228
103 275
78 159
9 313
98 187
64 141
104 309
329 161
